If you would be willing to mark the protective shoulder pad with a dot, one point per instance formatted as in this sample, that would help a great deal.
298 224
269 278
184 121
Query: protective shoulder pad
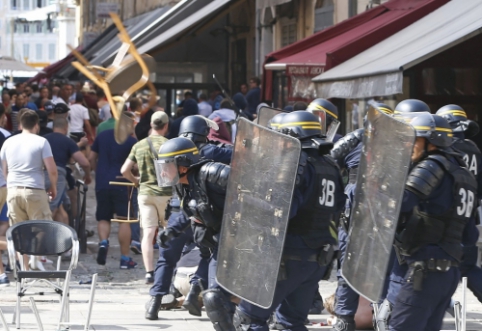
472 144
215 173
426 176
346 144
301 167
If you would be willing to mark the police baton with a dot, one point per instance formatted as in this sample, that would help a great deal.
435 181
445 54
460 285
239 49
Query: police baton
227 96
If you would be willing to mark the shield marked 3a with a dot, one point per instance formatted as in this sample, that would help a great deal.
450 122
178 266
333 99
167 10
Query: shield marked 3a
382 173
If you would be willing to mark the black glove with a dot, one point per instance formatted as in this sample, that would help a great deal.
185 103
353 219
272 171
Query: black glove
165 236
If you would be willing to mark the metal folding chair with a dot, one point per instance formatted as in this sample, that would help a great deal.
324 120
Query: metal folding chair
39 238
80 219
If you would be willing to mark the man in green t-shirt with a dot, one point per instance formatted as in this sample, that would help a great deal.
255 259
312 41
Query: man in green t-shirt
152 199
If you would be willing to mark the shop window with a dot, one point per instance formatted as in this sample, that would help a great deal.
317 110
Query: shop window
324 12
352 7
452 81
288 31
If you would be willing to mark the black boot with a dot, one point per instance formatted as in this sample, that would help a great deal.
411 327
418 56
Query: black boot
153 307
317 305
344 323
191 303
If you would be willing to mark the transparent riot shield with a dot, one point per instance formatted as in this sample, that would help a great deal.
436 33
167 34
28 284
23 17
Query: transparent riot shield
382 173
265 114
256 212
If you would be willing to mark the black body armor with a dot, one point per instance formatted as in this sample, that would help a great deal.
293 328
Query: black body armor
444 230
318 216
470 153
201 207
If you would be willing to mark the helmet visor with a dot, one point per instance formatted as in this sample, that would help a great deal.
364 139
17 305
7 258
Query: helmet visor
332 129
321 114
166 172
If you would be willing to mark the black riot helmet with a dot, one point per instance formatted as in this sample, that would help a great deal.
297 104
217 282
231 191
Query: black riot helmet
457 118
301 124
182 150
275 122
326 106
173 153
194 128
412 106
384 108
434 128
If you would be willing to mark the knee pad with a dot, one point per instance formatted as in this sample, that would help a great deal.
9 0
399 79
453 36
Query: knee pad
218 309
380 320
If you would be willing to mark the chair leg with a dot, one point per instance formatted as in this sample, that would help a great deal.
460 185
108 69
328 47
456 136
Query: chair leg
91 302
4 322
17 309
35 312
65 298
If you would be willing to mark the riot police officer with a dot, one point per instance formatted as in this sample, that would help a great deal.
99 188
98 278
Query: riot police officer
196 128
204 184
411 106
472 156
331 113
347 152
317 202
172 239
438 204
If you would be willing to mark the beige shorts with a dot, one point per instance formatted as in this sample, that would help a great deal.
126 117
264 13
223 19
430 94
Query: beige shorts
152 210
27 204
3 196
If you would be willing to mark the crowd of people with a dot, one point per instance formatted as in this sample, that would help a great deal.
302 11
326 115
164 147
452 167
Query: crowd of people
53 135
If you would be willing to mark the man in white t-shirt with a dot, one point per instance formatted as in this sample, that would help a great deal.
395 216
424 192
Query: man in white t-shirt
79 119
24 157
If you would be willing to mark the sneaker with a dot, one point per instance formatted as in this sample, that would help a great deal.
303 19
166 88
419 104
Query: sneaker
149 278
102 253
136 247
35 263
43 259
4 282
128 264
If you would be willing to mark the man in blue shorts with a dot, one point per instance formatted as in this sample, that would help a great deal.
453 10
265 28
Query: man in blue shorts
107 158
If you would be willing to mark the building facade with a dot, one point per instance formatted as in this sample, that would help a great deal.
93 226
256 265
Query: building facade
93 18
36 31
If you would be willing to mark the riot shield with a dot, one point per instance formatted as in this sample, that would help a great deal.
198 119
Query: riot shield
256 212
265 114
382 173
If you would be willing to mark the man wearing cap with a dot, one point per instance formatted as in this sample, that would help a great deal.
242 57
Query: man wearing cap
152 199
59 110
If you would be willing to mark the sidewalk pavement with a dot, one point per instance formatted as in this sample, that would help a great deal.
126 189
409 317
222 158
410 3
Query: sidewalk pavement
122 294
